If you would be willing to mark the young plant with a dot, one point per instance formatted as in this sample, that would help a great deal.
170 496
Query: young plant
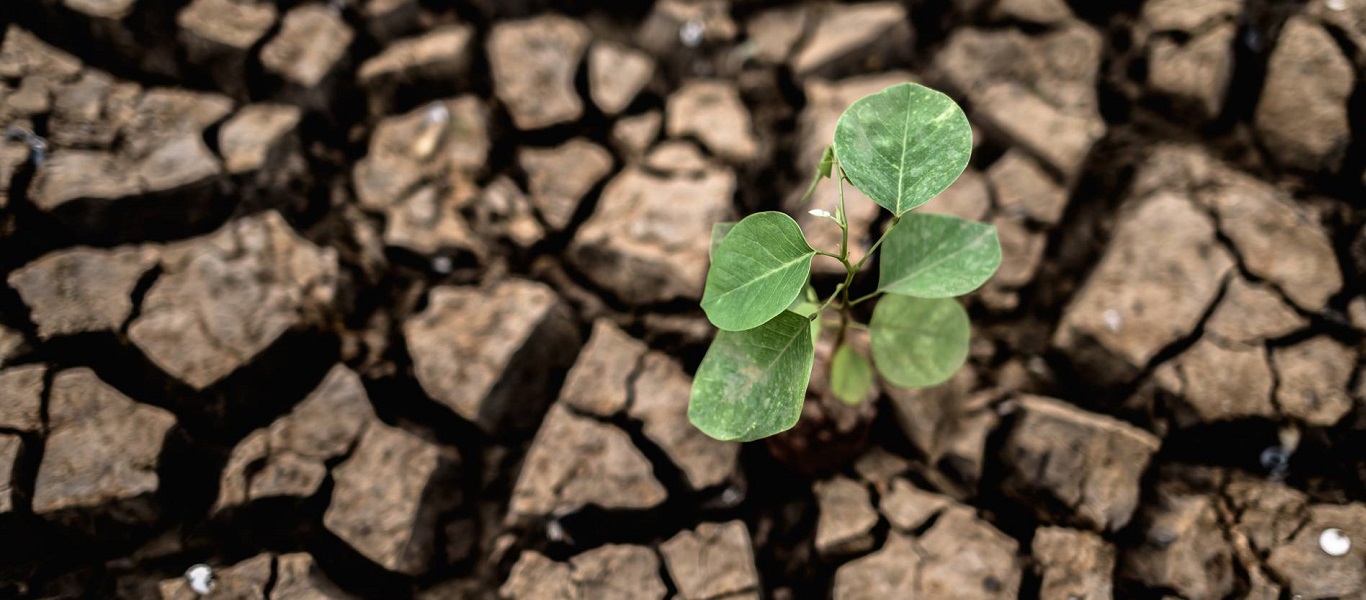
900 147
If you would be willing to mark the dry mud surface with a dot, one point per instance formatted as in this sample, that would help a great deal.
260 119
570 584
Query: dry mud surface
397 299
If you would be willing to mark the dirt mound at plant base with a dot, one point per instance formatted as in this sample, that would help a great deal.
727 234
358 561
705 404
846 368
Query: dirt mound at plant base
386 299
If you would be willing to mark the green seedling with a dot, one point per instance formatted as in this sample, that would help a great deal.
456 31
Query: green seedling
900 147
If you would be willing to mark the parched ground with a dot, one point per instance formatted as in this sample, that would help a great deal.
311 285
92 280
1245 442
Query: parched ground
398 299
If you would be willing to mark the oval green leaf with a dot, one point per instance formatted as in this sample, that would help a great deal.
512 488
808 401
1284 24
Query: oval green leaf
751 384
919 342
851 376
758 269
903 145
938 256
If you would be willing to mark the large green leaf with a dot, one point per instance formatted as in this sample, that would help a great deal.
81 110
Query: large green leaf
851 377
758 269
938 256
751 384
903 145
919 342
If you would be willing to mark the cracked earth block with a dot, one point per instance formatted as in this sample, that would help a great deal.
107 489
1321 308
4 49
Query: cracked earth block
492 354
224 298
102 452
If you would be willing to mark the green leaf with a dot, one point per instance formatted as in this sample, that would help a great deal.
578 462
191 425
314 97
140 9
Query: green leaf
919 342
903 145
718 233
758 269
751 384
851 376
827 161
938 256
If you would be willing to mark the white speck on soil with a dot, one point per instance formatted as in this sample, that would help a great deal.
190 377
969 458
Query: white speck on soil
1334 542
200 579
1113 320
691 33
1336 5
442 264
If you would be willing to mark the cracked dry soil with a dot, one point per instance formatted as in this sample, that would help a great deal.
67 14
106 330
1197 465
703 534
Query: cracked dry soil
397 299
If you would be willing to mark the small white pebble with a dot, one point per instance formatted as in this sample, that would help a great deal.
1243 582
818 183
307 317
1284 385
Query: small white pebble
816 212
1112 320
200 579
436 113
691 33
442 265
1336 5
1334 542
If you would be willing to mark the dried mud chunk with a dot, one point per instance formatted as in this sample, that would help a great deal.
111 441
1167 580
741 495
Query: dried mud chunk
846 519
536 577
558 178
660 399
388 496
891 572
179 163
1218 381
1268 513
422 146
908 507
102 449
429 221
21 398
440 56
1185 16
288 458
1251 313
310 46
1311 572
297 577
947 423
1022 251
1183 550
1073 564
712 111
1062 139
71 175
533 64
576 461
1023 187
1162 270
618 572
1302 115
1061 65
632 135
1197 71
12 156
647 241
501 210
775 31
1091 464
1275 241
220 34
599 382
488 354
11 343
676 157
616 74
81 290
612 572
224 298
1313 376
245 580
826 101
256 136
709 21
91 111
848 38
168 115
1040 12
10 446
993 572
24 54
711 562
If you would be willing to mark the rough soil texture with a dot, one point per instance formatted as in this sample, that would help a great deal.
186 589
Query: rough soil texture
398 299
